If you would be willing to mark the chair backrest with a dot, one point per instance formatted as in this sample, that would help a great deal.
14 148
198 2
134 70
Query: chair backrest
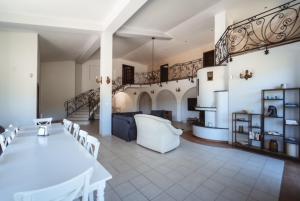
82 137
13 128
67 191
8 136
76 129
2 143
92 145
67 125
42 121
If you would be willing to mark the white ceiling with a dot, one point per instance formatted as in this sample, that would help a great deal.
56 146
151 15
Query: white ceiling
70 29
190 23
92 13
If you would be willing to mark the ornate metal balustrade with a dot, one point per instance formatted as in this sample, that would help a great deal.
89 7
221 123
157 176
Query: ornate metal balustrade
278 26
89 98
186 70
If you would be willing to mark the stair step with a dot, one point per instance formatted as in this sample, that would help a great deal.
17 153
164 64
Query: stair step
76 115
82 122
78 118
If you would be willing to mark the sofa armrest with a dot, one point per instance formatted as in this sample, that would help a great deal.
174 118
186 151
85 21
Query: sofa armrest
176 131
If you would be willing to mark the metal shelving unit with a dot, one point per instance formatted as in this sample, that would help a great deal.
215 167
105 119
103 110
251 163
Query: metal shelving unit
282 102
282 135
246 120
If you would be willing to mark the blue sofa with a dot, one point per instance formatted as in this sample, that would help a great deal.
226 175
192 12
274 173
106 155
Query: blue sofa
123 125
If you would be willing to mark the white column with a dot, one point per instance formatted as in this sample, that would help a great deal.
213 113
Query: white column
220 25
105 89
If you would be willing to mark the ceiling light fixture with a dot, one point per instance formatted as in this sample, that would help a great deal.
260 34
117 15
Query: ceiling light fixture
152 76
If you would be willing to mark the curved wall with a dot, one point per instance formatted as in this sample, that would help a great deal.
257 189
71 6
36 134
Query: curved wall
206 88
154 90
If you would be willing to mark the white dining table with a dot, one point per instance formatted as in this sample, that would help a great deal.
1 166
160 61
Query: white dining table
33 162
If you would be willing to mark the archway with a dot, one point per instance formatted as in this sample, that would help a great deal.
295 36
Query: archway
166 100
145 103
185 113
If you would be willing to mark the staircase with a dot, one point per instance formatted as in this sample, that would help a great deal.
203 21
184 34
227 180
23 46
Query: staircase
83 107
81 116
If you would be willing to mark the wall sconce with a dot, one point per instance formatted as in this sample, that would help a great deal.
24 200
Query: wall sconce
99 81
177 89
246 75
267 51
107 80
191 79
152 91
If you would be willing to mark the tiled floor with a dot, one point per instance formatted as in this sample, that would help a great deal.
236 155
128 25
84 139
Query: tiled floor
193 172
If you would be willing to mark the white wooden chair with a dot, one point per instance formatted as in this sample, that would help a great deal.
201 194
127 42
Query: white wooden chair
76 129
2 143
92 145
8 136
66 191
82 137
42 121
67 124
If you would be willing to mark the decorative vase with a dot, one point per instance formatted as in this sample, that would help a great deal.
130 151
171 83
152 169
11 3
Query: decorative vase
273 145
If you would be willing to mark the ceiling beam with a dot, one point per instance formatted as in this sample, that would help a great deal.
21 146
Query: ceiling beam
89 49
129 32
121 13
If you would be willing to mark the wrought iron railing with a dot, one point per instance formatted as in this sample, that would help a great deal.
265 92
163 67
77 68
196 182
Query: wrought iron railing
277 26
186 70
88 98
91 98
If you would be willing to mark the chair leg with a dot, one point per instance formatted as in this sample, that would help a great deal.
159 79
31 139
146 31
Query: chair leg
91 196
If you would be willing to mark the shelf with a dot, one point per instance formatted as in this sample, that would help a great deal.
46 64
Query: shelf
273 99
260 150
240 120
290 89
279 89
291 141
243 113
256 140
255 127
243 133
292 125
280 135
291 106
273 90
273 117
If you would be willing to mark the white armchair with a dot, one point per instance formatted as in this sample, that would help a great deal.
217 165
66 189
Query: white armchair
156 133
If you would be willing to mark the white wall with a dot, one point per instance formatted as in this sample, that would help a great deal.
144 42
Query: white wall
280 66
90 69
166 100
186 56
18 83
78 79
123 102
57 86
132 101
207 87
145 103
118 63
